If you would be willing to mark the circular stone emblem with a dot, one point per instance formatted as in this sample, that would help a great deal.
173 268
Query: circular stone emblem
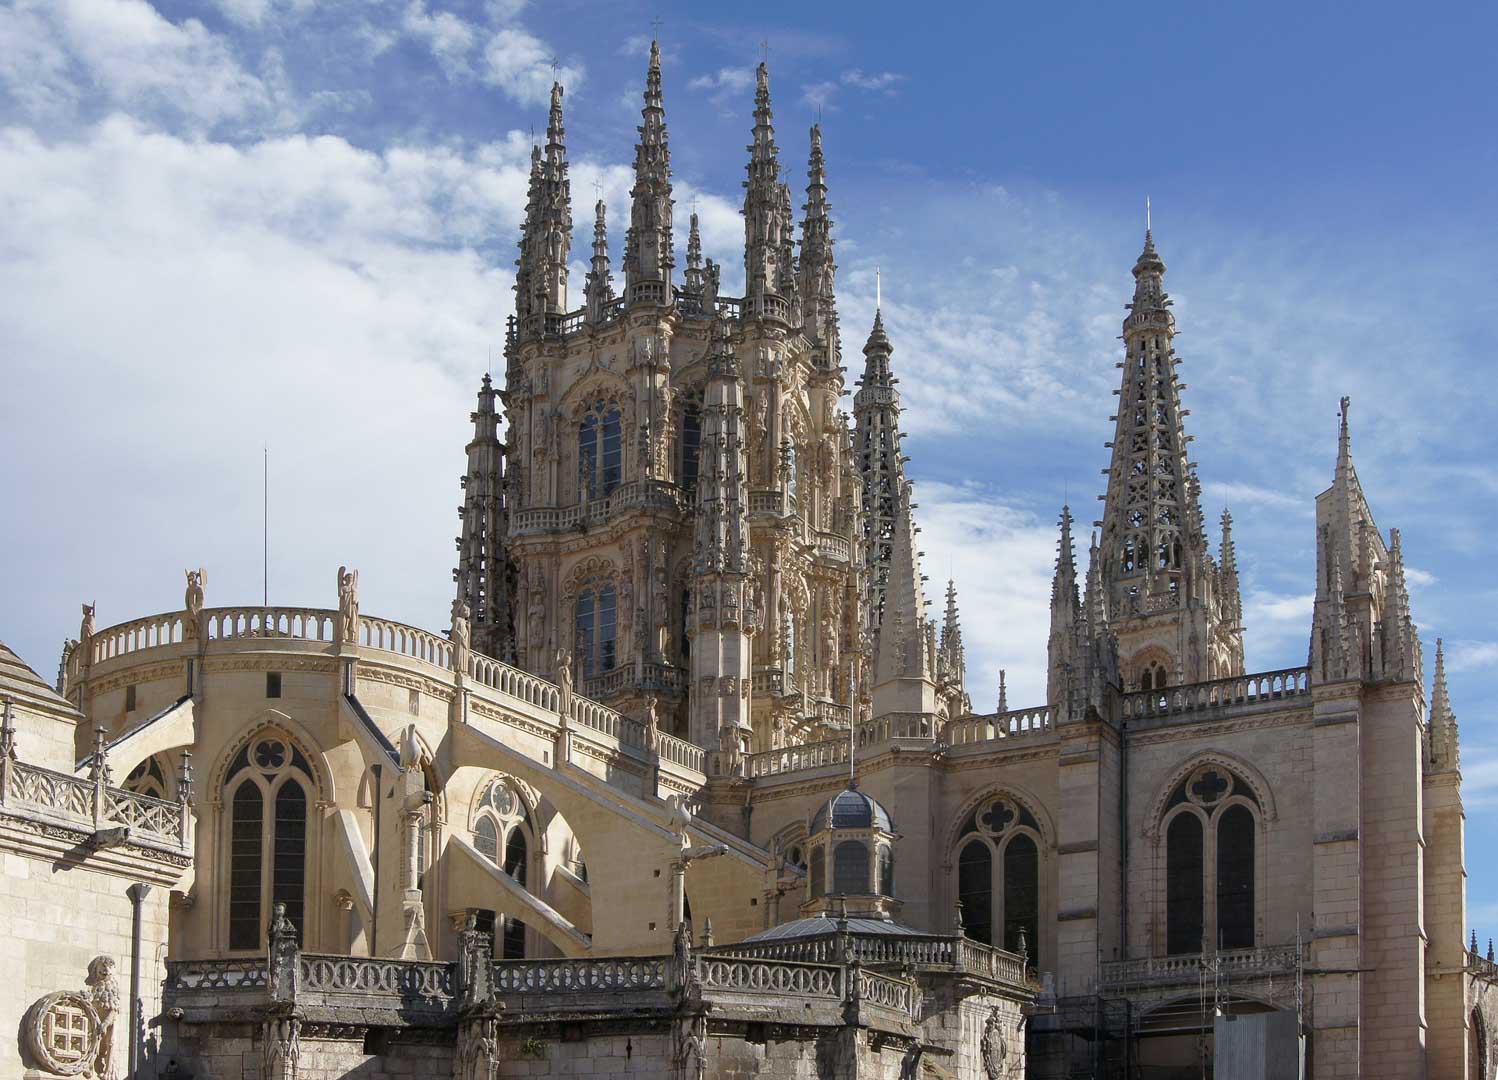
62 1033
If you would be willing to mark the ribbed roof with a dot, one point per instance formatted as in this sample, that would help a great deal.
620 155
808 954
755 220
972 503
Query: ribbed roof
852 809
17 679
818 925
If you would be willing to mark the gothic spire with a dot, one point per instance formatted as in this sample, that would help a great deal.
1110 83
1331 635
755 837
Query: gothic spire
818 271
1445 752
1061 646
694 276
1003 693
953 658
766 220
483 574
600 284
555 241
1401 644
901 649
1230 598
876 414
648 256
1154 556
527 270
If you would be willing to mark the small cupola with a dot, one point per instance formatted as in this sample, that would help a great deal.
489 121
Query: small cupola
851 858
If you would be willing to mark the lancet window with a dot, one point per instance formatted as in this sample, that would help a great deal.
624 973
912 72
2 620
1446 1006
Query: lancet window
266 788
600 451
998 875
595 623
503 834
1211 860
691 442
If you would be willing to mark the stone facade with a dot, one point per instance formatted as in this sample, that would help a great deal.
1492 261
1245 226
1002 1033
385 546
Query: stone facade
689 626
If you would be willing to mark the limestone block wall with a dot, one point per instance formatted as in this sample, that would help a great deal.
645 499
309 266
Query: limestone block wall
58 917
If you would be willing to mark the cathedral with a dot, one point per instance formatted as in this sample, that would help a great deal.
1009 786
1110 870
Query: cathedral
690 675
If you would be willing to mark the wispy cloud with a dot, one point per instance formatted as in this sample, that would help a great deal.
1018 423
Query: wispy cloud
1471 655
822 94
727 88
524 67
450 37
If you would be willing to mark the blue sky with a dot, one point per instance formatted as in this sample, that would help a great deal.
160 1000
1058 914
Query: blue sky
237 222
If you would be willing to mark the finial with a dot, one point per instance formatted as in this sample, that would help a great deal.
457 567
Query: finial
1147 224
1003 692
878 292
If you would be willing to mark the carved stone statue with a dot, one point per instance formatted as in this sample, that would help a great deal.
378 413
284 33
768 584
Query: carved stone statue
652 728
104 995
459 635
681 820
728 745
86 631
348 604
193 601
564 680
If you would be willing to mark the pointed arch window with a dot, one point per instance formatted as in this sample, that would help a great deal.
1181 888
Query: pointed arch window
503 834
998 876
600 455
818 871
148 778
691 442
266 786
850 871
1211 863
595 642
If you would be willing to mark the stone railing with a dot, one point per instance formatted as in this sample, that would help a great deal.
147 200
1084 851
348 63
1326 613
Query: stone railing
832 546
752 974
967 730
829 713
619 973
1482 966
216 975
413 983
1188 968
514 682
653 494
680 752
603 719
933 951
407 640
1201 697
769 502
151 632
911 726
730 307
306 624
797 758
648 676
768 681
90 805
887 992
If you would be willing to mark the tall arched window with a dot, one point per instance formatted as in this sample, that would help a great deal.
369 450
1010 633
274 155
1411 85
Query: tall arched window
1235 878
267 785
596 630
502 833
818 870
1021 894
1211 861
886 870
975 890
691 442
1183 889
998 875
850 867
599 452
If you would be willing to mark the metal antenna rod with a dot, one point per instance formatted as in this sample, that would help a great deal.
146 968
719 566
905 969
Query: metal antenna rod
265 527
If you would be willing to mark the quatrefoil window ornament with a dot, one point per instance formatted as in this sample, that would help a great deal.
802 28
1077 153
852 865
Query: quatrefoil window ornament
1209 785
998 817
270 754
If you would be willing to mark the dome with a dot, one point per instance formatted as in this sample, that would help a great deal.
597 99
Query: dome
852 809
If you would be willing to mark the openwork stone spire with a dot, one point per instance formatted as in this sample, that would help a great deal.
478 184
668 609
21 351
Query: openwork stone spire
694 275
528 279
902 649
1154 553
767 222
876 439
648 256
600 284
818 270
483 574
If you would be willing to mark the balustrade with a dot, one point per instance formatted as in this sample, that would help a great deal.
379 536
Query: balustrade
796 758
514 682
1218 693
409 980
1187 968
967 730
737 973
189 975
407 640
90 805
619 973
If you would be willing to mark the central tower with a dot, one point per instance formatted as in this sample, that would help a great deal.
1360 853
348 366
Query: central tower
674 502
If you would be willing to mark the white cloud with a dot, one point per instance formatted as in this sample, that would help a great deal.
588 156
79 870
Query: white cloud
884 80
1234 493
449 37
821 94
1471 655
1003 558
727 88
63 54
520 65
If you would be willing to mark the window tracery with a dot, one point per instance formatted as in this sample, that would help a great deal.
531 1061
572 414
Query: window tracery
998 875
600 451
267 785
503 832
1211 823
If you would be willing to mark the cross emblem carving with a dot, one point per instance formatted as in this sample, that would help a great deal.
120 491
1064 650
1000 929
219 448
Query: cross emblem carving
997 817
66 1032
1210 786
